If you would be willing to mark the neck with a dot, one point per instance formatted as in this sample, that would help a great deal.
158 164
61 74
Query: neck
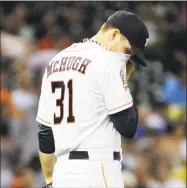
100 38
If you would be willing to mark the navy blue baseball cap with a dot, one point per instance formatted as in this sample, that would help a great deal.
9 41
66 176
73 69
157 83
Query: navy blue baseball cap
133 28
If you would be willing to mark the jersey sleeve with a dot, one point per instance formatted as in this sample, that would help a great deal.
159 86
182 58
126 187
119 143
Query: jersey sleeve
117 96
44 108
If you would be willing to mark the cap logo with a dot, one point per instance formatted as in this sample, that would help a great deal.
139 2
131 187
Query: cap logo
147 40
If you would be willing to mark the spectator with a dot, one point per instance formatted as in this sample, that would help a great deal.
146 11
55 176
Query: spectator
174 89
19 47
22 178
161 170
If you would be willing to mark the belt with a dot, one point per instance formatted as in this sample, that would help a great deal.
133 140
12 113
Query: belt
84 155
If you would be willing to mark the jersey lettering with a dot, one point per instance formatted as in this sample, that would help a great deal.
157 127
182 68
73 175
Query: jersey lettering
74 63
59 102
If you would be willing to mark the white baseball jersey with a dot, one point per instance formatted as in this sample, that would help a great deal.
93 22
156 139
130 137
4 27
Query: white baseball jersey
81 87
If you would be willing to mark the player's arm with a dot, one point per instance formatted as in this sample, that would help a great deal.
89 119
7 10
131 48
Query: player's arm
128 116
47 149
119 102
45 134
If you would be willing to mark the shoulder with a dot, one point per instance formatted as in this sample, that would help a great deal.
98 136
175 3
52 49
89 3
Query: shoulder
113 60
114 64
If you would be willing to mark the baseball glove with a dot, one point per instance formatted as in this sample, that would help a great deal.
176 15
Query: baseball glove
48 186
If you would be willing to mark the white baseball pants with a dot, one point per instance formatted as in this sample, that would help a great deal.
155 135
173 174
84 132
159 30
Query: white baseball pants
99 171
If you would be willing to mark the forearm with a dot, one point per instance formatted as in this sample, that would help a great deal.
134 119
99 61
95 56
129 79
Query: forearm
47 149
47 163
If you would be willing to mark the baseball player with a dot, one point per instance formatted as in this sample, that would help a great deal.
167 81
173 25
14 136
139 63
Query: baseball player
86 106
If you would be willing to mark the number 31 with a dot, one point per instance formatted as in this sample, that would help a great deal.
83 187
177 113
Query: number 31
59 102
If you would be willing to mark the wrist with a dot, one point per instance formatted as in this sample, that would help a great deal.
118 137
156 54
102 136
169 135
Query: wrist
48 180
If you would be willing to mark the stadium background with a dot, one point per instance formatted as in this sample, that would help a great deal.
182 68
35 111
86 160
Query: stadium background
33 32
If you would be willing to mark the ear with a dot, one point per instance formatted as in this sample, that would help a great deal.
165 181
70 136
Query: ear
115 32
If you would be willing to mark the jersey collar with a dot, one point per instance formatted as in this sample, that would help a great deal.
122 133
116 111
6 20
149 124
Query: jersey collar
126 57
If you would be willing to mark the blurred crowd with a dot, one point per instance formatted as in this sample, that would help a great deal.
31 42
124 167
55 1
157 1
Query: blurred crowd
33 32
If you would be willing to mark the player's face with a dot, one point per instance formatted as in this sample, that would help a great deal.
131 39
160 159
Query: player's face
119 43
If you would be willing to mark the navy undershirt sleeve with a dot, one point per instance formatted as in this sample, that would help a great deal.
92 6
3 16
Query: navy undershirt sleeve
126 121
46 139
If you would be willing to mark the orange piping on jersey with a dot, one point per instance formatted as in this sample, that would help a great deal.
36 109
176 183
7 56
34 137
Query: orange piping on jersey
43 121
120 106
104 175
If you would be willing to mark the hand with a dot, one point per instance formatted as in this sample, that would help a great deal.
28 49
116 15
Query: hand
129 70
48 186
49 180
